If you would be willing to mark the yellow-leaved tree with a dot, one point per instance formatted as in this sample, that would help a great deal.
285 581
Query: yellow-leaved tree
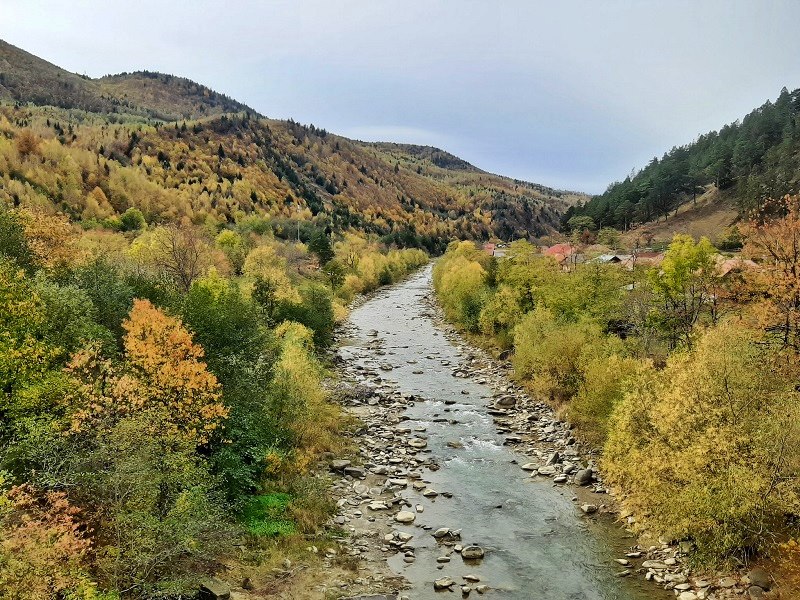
163 372
706 449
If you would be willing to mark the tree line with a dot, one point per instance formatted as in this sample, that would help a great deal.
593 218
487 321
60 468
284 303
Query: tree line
755 159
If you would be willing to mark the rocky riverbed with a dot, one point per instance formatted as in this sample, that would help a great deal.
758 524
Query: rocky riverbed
464 483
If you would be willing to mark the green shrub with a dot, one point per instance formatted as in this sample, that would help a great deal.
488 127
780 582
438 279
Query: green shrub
604 381
315 311
547 354
132 220
267 515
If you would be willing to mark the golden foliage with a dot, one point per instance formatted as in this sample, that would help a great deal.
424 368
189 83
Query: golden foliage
706 448
52 238
299 399
43 547
164 372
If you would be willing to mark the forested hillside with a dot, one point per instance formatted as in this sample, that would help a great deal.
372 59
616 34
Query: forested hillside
204 156
161 397
27 78
752 159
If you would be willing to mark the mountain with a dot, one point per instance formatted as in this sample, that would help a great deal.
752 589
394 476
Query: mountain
174 148
28 78
741 165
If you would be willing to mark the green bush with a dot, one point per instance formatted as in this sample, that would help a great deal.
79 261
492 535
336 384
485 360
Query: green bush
547 353
315 311
267 515
604 381
132 220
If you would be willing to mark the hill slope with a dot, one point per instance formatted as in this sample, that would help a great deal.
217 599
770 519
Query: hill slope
749 161
709 216
28 78
221 162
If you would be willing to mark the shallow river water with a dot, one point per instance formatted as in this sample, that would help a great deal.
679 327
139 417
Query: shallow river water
538 545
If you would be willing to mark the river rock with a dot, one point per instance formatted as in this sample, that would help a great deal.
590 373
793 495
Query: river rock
553 459
583 477
340 464
482 589
214 589
355 472
589 509
687 596
444 583
760 578
530 467
472 553
405 516
656 565
755 592
441 533
546 471
417 443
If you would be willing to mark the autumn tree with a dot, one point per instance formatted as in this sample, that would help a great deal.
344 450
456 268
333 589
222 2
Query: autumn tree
182 254
683 287
163 372
234 247
43 546
27 143
706 449
773 235
52 239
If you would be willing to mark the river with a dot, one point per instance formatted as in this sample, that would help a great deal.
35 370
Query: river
538 544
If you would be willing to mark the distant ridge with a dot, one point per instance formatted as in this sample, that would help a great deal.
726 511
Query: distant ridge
28 78
201 154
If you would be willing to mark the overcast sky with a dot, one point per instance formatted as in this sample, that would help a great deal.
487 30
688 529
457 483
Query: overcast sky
568 94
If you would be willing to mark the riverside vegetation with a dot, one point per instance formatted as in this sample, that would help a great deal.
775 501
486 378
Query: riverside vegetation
684 377
172 264
162 398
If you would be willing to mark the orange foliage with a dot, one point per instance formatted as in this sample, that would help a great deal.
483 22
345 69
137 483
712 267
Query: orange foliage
774 236
27 142
42 546
163 372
